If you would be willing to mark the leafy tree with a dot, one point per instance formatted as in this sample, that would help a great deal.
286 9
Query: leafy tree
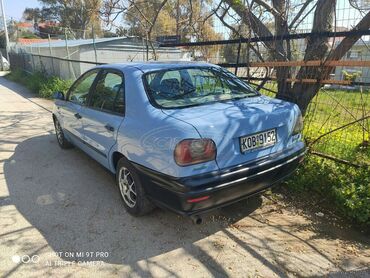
195 24
35 14
144 16
152 18
121 31
76 15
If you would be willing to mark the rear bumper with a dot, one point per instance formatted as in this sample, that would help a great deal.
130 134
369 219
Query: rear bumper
223 187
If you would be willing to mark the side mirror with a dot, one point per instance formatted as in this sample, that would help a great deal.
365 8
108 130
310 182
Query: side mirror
59 95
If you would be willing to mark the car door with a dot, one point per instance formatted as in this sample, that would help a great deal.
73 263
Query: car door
104 113
72 108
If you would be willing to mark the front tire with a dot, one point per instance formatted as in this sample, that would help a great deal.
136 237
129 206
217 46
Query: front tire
133 195
62 141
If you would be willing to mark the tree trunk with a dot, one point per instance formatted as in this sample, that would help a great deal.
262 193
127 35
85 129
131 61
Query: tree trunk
317 48
281 27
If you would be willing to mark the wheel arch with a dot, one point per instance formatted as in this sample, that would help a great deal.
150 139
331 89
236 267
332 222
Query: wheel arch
116 156
56 118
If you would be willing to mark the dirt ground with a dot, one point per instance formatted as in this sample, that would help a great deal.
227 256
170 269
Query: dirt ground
61 215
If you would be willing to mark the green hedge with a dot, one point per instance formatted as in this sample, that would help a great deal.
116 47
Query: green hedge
39 83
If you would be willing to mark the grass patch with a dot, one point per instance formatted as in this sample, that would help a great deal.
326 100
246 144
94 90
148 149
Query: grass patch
346 189
331 110
342 188
39 83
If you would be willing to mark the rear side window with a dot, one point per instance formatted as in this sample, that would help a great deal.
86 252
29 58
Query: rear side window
80 90
108 95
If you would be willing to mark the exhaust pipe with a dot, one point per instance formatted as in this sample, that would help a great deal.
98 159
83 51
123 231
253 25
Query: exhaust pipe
197 219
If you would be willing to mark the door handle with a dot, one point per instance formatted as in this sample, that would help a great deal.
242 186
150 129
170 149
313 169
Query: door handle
109 127
78 116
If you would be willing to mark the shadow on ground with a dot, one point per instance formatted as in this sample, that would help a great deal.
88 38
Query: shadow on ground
74 203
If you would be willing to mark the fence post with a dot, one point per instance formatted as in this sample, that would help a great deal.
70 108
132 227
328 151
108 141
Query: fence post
143 49
93 37
40 62
1 61
71 72
238 56
23 60
33 62
51 54
147 48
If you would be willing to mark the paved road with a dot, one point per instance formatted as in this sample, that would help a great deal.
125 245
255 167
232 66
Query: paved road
61 210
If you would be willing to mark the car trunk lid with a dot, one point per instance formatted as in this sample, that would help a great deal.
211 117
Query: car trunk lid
226 122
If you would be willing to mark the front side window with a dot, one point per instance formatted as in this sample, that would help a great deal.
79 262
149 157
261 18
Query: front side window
194 86
80 90
109 93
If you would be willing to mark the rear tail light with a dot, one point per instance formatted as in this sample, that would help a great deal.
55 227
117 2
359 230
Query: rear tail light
197 200
193 151
298 127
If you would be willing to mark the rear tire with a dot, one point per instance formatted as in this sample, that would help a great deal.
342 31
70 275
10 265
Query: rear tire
62 141
132 192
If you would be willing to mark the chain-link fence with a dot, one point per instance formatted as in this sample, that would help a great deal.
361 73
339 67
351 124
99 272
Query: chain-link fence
69 58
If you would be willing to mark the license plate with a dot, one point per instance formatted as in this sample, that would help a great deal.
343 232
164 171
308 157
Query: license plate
258 140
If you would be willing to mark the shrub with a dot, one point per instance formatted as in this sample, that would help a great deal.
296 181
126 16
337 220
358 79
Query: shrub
34 81
351 76
17 76
52 85
39 83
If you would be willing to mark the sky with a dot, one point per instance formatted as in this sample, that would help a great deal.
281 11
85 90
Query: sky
14 8
346 16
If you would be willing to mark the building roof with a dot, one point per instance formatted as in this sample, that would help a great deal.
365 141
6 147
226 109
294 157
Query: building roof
79 42
31 41
28 24
46 24
115 43
25 24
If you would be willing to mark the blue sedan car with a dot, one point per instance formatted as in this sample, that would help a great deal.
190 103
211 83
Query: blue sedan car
189 137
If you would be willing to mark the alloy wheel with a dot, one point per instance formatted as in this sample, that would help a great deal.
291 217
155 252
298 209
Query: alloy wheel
127 187
59 132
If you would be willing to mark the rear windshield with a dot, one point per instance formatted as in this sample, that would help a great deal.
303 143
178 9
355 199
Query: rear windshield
184 87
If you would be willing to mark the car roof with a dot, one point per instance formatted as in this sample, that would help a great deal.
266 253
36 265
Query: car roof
152 66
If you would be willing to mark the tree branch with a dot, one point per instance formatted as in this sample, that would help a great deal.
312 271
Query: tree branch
249 18
305 5
268 8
